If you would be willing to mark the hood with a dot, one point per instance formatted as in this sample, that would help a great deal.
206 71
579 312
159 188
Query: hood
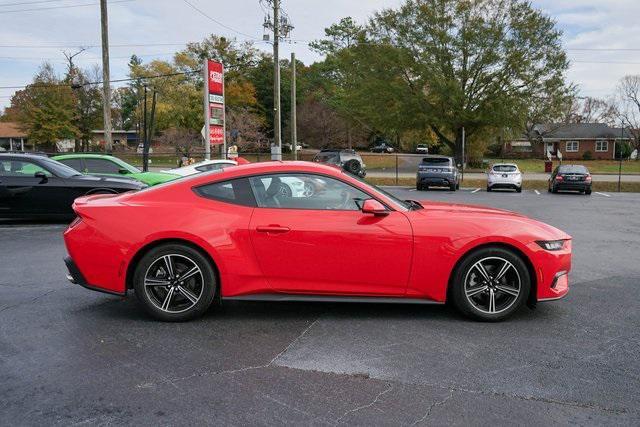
464 208
492 220
153 178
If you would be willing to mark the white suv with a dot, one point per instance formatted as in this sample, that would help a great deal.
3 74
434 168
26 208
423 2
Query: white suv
504 175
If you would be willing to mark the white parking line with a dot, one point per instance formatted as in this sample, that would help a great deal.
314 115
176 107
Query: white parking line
412 189
603 194
537 192
475 191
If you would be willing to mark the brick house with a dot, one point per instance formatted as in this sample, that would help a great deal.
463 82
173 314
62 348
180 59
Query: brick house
12 138
572 140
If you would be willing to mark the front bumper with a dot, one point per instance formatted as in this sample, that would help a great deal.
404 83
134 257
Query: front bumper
75 276
552 271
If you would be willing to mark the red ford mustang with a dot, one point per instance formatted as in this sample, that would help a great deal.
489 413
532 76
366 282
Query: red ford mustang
304 231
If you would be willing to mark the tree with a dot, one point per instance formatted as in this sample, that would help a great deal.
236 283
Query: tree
449 65
628 108
185 141
45 109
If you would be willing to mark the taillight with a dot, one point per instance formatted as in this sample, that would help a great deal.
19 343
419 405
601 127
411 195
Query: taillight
588 178
559 178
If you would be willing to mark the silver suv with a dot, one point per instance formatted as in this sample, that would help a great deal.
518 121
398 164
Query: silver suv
437 171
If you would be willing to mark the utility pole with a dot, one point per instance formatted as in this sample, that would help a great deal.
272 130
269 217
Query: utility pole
294 132
619 157
463 138
277 136
106 87
145 150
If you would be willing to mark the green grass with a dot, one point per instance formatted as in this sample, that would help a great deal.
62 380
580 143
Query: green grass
610 187
594 166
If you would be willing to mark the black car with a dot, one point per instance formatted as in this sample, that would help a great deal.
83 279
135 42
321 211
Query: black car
349 160
35 186
382 148
570 177
437 171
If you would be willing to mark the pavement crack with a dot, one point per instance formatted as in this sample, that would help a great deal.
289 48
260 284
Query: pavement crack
295 340
433 405
29 302
368 405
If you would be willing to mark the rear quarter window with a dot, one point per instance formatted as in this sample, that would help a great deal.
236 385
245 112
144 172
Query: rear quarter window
235 191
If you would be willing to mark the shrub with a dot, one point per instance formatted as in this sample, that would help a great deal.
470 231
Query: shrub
588 155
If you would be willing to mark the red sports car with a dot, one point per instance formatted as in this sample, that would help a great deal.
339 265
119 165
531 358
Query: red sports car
236 235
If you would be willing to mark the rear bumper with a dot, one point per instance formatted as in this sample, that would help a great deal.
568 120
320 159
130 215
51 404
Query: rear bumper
436 180
75 276
512 185
575 186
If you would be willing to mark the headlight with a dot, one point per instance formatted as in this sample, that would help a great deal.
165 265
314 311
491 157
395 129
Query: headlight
551 245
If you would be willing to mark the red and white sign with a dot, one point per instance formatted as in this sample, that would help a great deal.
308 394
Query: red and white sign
214 101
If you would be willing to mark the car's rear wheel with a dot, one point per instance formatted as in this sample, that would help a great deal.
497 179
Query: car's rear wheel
490 284
174 282
488 189
519 189
587 191
452 187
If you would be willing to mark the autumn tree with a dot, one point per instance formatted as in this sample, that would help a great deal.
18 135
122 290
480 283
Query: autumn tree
449 65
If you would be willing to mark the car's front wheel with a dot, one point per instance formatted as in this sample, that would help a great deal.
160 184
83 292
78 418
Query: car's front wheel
490 284
174 282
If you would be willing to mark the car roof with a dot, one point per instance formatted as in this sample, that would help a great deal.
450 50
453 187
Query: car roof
33 156
84 156
270 167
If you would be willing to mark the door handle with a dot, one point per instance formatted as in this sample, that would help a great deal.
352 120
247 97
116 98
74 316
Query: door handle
272 229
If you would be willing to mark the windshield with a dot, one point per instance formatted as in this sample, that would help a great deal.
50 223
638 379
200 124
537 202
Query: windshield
59 169
436 161
505 168
573 169
402 203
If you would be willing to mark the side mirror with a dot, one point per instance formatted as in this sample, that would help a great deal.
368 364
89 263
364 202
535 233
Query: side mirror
42 176
372 206
123 171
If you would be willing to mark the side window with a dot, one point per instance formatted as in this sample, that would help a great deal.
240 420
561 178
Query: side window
305 191
73 163
101 166
21 168
211 167
235 191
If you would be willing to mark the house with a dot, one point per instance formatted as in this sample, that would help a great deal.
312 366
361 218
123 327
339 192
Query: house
574 141
120 137
12 138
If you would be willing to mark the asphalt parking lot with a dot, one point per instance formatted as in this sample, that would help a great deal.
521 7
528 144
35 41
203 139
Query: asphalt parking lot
72 356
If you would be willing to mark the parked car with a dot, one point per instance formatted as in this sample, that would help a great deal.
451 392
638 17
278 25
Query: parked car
570 177
422 149
105 165
348 160
35 186
504 175
349 242
437 171
203 166
383 147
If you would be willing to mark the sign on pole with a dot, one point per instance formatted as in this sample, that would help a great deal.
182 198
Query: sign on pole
214 115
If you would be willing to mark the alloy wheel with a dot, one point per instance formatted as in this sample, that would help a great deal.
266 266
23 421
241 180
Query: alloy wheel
174 283
492 285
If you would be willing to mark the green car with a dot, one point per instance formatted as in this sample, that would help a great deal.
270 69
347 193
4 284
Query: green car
103 164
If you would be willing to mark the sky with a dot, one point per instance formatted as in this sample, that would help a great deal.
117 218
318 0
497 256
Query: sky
602 37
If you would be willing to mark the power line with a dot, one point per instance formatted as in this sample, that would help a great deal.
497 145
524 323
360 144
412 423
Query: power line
47 85
30 2
192 6
61 7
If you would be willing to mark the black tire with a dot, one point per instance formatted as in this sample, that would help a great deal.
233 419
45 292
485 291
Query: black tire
553 190
488 189
452 187
418 187
519 190
100 191
457 186
493 259
202 285
587 192
352 166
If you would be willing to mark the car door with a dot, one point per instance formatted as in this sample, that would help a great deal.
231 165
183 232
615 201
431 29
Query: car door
24 193
323 243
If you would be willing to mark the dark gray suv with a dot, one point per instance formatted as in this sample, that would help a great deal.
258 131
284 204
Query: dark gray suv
348 160
437 171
